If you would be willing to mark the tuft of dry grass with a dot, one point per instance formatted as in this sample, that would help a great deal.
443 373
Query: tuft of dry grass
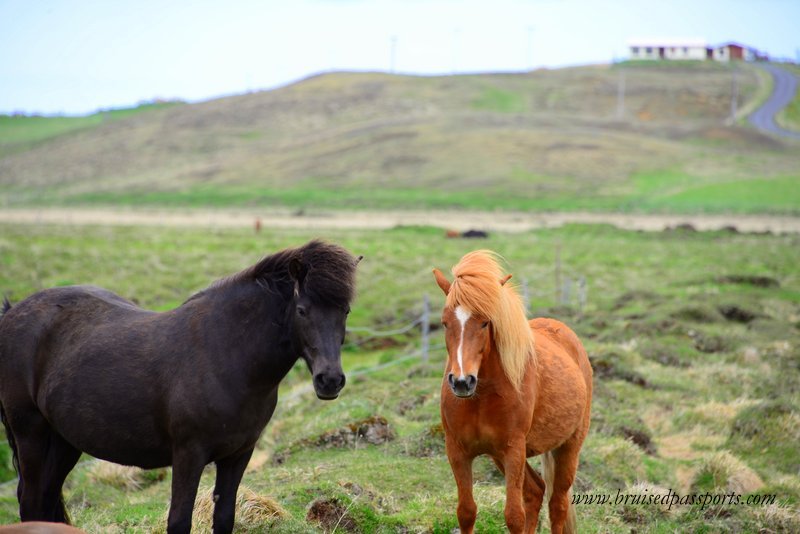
778 518
123 477
252 510
729 473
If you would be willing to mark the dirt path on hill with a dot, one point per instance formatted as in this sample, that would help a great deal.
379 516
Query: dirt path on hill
456 220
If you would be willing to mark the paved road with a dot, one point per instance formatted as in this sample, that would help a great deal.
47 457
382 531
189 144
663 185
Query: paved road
784 89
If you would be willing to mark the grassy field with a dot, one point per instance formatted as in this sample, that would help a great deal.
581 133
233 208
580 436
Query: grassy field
694 338
21 132
545 140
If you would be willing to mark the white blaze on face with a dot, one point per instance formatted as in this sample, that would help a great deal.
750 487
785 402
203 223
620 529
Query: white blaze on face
463 316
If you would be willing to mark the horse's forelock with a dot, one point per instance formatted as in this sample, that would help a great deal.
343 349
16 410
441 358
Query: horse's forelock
477 286
330 273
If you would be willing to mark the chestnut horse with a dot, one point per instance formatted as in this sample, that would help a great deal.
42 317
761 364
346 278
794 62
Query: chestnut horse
502 398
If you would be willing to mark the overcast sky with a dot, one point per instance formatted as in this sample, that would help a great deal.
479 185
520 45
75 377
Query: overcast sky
59 56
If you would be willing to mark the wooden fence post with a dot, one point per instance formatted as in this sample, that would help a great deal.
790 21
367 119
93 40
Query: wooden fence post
426 326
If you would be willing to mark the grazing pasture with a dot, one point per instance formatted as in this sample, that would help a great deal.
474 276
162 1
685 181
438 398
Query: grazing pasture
694 339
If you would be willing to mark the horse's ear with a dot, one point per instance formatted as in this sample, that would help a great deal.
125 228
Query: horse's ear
358 259
443 282
505 279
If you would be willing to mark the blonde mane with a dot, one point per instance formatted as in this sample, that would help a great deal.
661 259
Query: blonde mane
478 287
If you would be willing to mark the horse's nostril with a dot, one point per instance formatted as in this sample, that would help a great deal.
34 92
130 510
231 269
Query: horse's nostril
471 381
342 380
451 379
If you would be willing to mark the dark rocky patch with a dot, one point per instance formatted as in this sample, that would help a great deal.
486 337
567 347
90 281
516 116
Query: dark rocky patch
682 227
750 280
429 443
406 405
607 366
706 343
374 430
697 313
664 356
633 296
640 438
330 514
735 313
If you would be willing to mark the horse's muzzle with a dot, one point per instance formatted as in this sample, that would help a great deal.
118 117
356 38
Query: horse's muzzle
462 387
328 385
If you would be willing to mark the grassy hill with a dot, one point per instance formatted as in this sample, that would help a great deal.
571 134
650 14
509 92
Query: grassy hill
549 139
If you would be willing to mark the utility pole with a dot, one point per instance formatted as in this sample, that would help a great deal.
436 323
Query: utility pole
456 35
734 95
621 95
557 273
530 47
426 327
393 54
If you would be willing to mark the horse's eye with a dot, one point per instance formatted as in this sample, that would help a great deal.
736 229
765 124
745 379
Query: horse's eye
301 311
484 325
347 311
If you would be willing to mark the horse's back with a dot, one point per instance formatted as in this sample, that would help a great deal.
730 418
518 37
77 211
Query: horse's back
74 310
555 335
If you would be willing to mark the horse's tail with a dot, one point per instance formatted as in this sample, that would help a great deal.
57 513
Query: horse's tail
549 472
6 306
9 435
12 443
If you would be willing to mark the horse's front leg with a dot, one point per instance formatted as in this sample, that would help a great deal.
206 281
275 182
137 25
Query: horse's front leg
229 475
187 467
461 464
532 494
514 464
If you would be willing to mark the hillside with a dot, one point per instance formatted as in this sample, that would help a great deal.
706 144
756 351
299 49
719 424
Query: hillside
541 140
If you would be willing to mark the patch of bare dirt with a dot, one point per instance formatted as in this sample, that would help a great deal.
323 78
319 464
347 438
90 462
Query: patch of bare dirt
330 514
490 221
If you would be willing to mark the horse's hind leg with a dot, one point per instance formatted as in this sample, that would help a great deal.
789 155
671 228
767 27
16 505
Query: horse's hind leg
229 475
45 460
566 465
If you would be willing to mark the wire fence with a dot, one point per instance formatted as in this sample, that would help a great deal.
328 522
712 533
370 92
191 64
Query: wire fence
567 289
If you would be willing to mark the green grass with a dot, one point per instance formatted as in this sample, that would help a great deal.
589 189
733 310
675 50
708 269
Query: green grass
661 192
498 100
757 195
654 303
18 132
789 117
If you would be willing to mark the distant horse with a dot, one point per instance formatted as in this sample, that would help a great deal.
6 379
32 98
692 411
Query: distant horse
82 369
502 398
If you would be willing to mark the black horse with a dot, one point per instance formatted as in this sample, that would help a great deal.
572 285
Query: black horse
82 369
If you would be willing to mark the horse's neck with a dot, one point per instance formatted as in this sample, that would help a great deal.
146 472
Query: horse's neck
248 324
494 378
491 373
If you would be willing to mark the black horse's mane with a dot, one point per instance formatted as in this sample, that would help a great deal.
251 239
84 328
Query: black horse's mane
327 272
